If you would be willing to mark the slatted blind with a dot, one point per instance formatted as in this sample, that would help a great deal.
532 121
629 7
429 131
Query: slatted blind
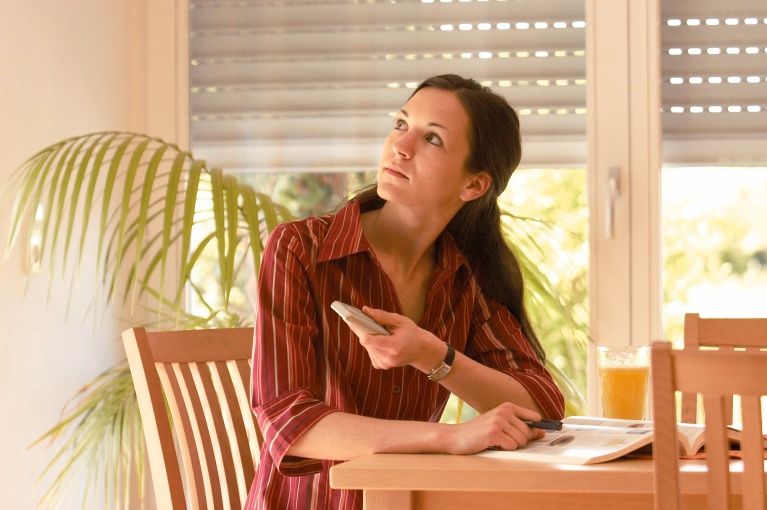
307 86
714 67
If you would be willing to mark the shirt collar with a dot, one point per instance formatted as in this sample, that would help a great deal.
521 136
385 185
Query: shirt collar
450 256
345 237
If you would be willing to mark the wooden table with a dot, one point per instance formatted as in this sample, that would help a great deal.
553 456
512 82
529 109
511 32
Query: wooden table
439 482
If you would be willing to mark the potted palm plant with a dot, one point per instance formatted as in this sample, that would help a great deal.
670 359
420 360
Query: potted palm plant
156 216
152 212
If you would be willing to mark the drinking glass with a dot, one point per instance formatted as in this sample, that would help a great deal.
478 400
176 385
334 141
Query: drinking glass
623 375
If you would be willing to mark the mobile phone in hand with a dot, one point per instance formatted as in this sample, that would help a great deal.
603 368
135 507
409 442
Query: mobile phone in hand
353 315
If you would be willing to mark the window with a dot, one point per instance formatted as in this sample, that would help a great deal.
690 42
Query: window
714 176
296 94
297 97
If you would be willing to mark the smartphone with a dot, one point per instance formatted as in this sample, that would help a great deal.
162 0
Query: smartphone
353 315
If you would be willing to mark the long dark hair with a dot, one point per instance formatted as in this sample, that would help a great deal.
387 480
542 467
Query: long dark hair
495 147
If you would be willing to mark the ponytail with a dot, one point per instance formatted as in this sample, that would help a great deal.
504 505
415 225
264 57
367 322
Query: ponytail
476 229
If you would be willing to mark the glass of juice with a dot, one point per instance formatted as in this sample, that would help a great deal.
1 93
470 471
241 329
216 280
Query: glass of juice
623 374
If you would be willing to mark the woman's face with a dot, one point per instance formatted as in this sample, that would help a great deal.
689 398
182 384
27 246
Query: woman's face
423 158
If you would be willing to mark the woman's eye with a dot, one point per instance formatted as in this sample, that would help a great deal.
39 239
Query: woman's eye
434 139
400 124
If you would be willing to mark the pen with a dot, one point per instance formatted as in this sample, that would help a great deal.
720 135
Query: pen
545 424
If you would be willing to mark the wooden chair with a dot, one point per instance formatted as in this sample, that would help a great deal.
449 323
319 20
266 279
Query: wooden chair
201 378
717 375
750 334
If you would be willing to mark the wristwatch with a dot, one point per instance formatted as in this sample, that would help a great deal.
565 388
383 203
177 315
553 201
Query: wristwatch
441 371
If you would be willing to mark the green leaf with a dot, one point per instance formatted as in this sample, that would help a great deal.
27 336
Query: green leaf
22 204
219 220
88 202
52 188
250 214
109 184
169 212
72 195
231 194
130 176
190 203
146 196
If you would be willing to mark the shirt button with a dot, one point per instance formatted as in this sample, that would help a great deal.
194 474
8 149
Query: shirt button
396 389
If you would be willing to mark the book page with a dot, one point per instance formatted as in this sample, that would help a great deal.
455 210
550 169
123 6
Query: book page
607 422
735 434
691 435
580 444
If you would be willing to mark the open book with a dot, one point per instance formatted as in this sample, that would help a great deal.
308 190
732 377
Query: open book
589 440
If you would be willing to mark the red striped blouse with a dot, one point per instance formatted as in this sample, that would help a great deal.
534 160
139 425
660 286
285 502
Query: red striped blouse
307 363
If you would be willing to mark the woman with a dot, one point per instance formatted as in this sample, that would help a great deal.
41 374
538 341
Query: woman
422 254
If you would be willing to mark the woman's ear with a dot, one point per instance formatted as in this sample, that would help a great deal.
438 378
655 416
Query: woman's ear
477 185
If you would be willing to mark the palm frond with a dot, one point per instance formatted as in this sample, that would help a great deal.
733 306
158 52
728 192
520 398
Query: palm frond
101 417
147 176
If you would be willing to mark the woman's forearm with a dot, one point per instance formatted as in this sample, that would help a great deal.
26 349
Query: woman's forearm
484 388
343 436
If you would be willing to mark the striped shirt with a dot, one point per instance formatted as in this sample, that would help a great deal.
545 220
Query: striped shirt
307 362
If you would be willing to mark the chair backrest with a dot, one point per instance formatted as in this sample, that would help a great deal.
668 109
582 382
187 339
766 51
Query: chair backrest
726 334
201 378
717 376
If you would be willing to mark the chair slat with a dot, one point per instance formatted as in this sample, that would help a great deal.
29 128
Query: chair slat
164 466
183 428
189 396
219 437
753 457
235 428
665 442
240 375
717 452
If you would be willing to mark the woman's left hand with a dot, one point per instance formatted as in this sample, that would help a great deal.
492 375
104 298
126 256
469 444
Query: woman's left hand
406 345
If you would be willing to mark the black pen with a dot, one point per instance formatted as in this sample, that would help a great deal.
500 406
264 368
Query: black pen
545 424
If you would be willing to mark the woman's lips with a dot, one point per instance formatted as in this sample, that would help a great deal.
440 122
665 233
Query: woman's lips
395 172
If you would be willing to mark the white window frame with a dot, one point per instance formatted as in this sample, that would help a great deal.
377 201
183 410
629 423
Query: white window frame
624 141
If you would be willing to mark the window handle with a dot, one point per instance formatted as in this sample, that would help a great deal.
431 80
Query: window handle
613 192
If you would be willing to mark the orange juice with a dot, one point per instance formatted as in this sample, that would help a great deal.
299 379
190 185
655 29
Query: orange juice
623 391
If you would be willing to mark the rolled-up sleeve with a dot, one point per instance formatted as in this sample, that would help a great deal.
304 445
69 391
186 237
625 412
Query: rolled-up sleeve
287 380
498 342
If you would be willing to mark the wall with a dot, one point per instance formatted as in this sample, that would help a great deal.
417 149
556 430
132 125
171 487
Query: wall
66 68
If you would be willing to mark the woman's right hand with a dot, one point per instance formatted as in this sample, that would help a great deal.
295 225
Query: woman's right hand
503 426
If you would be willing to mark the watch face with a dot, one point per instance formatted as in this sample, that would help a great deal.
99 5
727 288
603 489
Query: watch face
440 372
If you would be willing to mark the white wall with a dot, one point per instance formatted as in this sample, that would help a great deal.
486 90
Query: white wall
66 68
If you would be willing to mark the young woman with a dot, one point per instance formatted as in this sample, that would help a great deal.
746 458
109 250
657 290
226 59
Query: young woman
422 253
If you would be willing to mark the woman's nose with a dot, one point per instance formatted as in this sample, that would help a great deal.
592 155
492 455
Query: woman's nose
403 147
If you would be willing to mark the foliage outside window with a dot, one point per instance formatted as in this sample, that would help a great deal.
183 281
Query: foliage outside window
714 244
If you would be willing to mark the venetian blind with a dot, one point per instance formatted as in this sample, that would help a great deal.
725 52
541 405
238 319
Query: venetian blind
304 85
714 67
